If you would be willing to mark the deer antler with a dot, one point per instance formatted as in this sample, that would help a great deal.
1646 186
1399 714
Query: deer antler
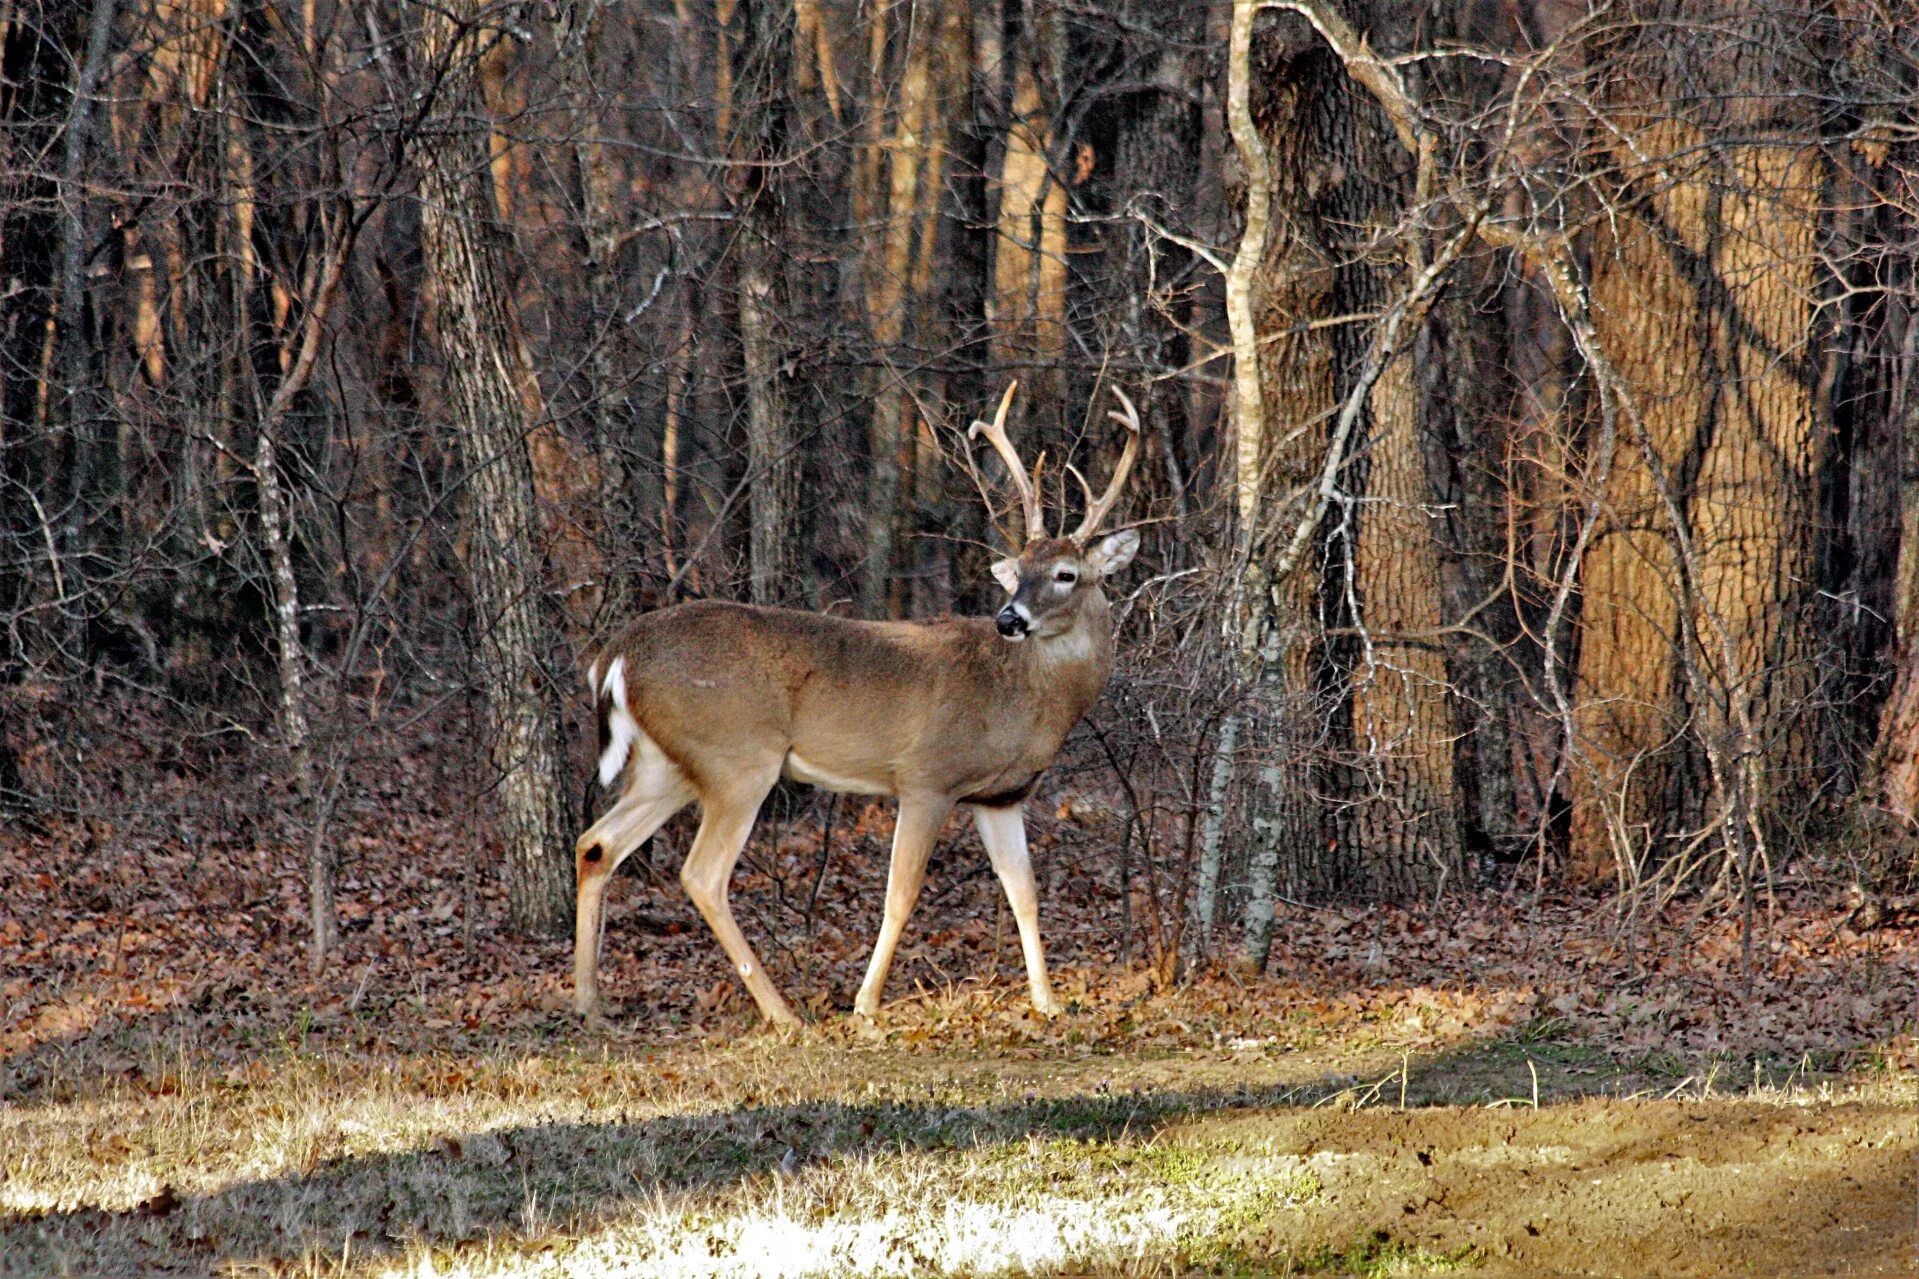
996 435
1098 511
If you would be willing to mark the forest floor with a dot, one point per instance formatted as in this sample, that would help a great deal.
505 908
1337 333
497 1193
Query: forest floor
1497 1087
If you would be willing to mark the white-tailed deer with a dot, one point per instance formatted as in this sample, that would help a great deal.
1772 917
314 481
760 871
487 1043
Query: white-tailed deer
716 702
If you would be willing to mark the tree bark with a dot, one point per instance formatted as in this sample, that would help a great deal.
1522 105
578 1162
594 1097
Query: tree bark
94 455
901 172
764 75
1695 611
483 374
1379 700
1281 278
1029 255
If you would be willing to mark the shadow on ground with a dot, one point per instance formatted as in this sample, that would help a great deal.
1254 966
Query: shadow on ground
1584 1183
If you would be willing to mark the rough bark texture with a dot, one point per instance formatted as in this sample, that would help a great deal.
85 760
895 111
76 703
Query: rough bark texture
1292 283
1157 163
1029 255
1405 814
762 77
901 175
610 360
483 375
1381 699
94 452
1704 293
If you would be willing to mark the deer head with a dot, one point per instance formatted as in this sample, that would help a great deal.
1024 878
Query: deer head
1054 582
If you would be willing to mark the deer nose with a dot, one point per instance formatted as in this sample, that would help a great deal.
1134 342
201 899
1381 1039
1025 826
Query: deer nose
1012 623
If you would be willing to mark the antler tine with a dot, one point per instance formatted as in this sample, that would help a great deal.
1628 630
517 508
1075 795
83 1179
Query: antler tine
996 435
1085 489
1097 512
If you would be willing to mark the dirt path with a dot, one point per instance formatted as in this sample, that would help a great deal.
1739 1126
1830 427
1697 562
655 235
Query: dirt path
1607 1187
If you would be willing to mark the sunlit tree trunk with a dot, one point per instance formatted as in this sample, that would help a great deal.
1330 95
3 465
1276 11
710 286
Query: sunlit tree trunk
1283 277
1694 652
1406 812
1029 262
1380 698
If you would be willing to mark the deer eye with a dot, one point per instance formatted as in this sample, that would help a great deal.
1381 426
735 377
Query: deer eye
1066 577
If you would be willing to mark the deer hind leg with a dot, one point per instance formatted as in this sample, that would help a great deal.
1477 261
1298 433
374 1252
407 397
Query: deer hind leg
1003 831
655 790
914 833
727 821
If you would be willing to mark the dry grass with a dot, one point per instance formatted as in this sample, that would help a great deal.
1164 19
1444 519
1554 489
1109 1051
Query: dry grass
768 1156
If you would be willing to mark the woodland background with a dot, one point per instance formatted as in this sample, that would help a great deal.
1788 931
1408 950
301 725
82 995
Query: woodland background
1531 489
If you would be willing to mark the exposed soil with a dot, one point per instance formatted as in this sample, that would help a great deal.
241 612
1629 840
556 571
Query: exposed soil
1608 1187
1545 1175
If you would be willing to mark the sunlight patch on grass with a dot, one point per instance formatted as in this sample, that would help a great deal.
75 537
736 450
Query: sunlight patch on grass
900 1214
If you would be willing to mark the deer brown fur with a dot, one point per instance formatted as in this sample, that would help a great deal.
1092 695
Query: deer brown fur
715 702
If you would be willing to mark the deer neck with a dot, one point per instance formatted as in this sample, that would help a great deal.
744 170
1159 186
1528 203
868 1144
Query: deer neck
1072 666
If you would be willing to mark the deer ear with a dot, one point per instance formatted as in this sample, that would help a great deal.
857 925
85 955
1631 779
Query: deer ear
1007 571
1112 553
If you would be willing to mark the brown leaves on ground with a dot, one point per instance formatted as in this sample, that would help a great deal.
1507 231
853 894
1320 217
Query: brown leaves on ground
185 912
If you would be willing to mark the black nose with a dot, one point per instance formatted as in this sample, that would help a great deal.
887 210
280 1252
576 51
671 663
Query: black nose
1010 623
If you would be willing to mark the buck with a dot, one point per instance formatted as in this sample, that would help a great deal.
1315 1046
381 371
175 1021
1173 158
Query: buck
715 702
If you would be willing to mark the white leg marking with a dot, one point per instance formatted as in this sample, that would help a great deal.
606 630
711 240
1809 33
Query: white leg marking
1003 831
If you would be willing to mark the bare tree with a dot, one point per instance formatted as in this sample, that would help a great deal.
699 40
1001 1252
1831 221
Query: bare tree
489 388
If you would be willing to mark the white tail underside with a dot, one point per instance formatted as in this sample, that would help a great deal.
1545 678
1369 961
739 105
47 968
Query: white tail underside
622 729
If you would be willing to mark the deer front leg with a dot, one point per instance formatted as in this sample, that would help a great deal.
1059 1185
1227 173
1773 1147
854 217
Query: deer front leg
914 832
629 823
1003 831
705 876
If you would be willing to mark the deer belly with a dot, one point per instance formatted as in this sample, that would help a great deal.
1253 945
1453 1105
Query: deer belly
800 769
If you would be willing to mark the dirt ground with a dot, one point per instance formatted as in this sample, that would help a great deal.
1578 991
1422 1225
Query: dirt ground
1543 1160
1608 1187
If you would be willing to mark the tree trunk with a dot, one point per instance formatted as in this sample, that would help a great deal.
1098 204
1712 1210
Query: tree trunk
1283 276
1694 649
94 453
1029 251
600 175
1405 812
1381 698
483 375
764 74
901 176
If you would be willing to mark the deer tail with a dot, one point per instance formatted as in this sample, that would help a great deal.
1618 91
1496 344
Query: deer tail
618 729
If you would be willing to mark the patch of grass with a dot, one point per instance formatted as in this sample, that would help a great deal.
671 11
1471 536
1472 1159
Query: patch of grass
665 1162
1545 1029
779 1155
